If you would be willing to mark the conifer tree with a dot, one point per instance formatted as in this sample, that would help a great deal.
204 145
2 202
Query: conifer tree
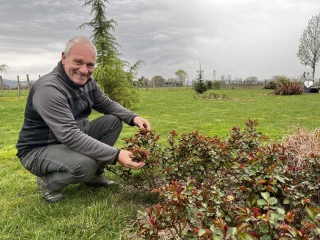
111 73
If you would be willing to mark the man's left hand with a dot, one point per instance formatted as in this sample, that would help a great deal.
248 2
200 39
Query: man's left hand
141 123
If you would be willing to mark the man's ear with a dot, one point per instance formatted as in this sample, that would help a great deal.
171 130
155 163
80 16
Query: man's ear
63 57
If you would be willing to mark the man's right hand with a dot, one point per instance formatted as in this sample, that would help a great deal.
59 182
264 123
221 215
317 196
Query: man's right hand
125 159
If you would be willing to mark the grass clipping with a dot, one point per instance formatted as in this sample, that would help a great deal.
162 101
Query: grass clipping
301 144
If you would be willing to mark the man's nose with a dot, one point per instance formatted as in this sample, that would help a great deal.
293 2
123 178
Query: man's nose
83 69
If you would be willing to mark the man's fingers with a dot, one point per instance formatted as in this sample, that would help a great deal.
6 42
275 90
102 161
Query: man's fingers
147 125
139 165
135 165
142 123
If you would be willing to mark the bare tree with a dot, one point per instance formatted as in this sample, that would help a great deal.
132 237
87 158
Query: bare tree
309 48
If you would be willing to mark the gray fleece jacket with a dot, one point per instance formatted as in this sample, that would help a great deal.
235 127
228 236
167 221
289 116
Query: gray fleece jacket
57 112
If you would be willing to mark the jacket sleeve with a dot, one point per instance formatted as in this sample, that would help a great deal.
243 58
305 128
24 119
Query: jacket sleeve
54 109
105 105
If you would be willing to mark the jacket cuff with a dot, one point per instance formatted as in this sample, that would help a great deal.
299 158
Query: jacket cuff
115 160
131 123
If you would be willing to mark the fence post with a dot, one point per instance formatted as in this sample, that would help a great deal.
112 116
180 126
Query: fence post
28 82
1 86
18 85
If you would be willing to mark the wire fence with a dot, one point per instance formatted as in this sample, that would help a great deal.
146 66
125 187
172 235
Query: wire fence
19 84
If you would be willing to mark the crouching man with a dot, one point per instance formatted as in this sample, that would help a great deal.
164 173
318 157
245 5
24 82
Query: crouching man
57 142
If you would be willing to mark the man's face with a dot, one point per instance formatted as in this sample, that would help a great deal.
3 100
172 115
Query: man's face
79 64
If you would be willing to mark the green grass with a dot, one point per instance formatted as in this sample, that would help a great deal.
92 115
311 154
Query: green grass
103 213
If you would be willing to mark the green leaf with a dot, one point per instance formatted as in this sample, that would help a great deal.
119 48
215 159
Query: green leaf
280 179
247 178
265 195
245 236
204 205
228 218
266 237
141 215
286 201
264 228
188 192
273 201
293 231
200 198
261 202
231 232
201 232
310 213
281 211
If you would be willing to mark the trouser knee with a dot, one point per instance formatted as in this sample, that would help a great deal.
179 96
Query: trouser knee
84 171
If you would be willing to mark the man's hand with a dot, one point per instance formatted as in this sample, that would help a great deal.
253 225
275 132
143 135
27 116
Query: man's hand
141 123
125 159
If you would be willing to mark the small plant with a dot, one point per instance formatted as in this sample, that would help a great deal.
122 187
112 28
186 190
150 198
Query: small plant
289 88
212 96
200 87
144 148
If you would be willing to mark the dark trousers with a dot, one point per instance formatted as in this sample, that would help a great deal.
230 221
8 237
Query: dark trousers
60 166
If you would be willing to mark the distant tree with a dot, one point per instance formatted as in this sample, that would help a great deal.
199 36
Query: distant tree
209 84
109 63
158 81
3 68
251 80
217 85
143 81
280 79
200 86
181 77
309 47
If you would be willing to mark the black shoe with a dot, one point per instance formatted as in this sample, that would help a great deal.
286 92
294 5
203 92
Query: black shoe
100 181
51 196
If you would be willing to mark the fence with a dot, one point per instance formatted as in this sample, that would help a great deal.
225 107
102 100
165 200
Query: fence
218 84
21 84
223 84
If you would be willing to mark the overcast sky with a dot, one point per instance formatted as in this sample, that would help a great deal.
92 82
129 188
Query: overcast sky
240 38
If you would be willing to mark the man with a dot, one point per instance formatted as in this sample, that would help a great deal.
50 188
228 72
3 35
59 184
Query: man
57 143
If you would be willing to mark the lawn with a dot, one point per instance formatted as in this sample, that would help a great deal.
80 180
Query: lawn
103 213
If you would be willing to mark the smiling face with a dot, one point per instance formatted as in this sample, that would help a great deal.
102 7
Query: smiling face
79 63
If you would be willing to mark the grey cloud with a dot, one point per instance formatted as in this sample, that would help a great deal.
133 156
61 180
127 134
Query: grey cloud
236 37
